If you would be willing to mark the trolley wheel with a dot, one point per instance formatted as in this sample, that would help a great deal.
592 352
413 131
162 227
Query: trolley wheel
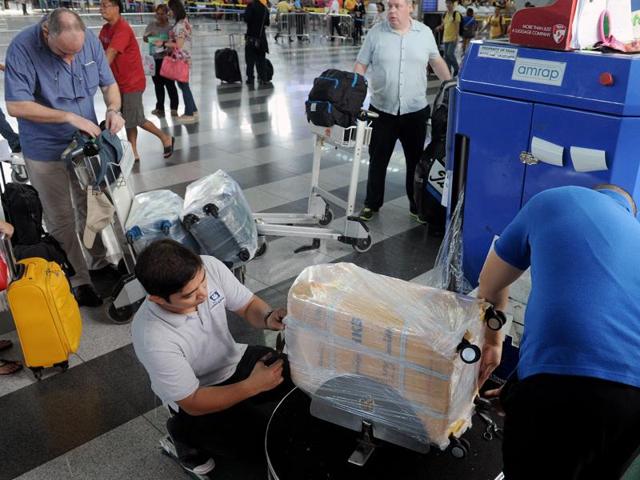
261 249
211 209
495 319
328 216
363 244
458 448
19 175
469 353
244 255
37 372
63 366
189 220
121 315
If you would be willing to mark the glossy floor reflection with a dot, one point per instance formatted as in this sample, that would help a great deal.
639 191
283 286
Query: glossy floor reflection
100 419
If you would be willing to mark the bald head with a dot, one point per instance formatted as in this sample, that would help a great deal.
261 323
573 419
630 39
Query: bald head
64 31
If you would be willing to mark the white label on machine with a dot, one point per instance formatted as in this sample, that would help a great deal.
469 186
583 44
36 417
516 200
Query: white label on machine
538 71
500 53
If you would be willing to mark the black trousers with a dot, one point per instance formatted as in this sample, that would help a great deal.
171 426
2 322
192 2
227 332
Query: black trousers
411 130
569 428
239 430
255 57
160 83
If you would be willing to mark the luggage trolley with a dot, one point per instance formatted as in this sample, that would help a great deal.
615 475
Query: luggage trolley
355 232
112 179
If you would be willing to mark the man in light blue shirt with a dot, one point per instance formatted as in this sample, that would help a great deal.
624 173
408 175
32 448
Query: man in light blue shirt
396 53
53 70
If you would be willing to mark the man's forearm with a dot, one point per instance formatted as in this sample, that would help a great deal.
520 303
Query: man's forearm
111 95
256 311
440 68
35 112
216 399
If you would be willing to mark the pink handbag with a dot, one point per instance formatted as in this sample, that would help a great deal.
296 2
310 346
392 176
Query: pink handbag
174 69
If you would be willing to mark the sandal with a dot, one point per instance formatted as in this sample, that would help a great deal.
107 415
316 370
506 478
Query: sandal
9 367
168 151
5 344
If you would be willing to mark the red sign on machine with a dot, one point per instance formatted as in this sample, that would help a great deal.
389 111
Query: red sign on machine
544 27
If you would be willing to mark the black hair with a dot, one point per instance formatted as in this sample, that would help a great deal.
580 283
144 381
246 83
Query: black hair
119 4
177 7
162 6
469 12
165 267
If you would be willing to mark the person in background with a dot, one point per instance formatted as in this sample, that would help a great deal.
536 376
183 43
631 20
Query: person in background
334 15
359 12
7 131
469 28
399 96
495 24
380 16
579 360
123 55
54 69
180 45
257 18
450 28
158 29
283 8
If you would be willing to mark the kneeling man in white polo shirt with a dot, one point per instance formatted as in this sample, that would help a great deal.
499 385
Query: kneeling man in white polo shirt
220 392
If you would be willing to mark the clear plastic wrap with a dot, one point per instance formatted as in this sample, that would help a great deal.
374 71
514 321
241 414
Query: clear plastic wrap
156 215
403 338
447 272
218 215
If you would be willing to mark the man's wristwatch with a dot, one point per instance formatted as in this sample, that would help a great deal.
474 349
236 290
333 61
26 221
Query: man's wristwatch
117 112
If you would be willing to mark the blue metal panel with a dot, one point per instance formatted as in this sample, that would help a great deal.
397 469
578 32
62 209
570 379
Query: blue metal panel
498 130
580 87
572 128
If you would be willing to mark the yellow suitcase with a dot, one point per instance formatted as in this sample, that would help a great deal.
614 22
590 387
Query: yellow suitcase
45 313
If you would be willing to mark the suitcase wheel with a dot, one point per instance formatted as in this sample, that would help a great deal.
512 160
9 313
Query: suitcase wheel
261 249
37 372
328 216
63 366
190 220
211 209
469 353
459 447
244 255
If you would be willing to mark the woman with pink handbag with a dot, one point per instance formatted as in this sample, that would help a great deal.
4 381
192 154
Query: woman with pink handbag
177 64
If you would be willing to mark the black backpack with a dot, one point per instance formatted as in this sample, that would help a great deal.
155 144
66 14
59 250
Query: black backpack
428 186
440 113
23 209
336 98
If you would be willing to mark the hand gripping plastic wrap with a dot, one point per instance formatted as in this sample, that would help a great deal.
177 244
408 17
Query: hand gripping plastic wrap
401 337
156 215
218 215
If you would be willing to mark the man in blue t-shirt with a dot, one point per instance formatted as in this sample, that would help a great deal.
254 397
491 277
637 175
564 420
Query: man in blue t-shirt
573 409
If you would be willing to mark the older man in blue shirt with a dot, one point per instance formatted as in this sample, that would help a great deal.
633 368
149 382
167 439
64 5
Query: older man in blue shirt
396 53
53 71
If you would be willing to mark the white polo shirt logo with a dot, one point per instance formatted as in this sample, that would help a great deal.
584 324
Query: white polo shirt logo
215 297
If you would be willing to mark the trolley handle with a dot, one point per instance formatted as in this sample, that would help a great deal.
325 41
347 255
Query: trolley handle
365 115
7 250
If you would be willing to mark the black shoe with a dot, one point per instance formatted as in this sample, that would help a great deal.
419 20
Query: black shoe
190 458
86 296
250 81
366 214
16 149
107 273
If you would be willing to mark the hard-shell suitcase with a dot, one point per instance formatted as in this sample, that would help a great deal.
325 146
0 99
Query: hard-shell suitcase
227 65
220 219
44 310
267 70
156 215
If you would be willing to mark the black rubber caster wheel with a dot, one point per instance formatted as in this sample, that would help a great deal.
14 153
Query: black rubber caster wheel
495 319
19 175
211 209
244 255
38 372
261 249
327 218
63 366
459 448
363 244
469 353
122 315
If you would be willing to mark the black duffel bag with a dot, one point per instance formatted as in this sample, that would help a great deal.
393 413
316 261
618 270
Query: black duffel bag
344 92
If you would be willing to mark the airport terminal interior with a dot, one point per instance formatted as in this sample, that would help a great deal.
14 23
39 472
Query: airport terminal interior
100 419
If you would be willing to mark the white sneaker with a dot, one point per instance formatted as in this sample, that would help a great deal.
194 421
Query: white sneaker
187 119
194 465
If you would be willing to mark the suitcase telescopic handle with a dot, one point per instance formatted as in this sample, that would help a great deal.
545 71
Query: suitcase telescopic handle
7 251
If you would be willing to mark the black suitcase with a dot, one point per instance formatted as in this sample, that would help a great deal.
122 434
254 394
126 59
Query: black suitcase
227 65
267 70
428 187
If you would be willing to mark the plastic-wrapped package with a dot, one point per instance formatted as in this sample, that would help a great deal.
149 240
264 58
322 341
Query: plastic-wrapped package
395 345
447 272
156 215
218 215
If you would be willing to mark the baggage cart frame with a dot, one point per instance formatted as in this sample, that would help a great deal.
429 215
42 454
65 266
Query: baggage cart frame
355 231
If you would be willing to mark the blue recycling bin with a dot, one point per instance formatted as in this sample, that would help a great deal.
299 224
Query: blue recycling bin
523 120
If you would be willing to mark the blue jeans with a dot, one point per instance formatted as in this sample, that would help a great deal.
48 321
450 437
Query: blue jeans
7 132
450 56
187 97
